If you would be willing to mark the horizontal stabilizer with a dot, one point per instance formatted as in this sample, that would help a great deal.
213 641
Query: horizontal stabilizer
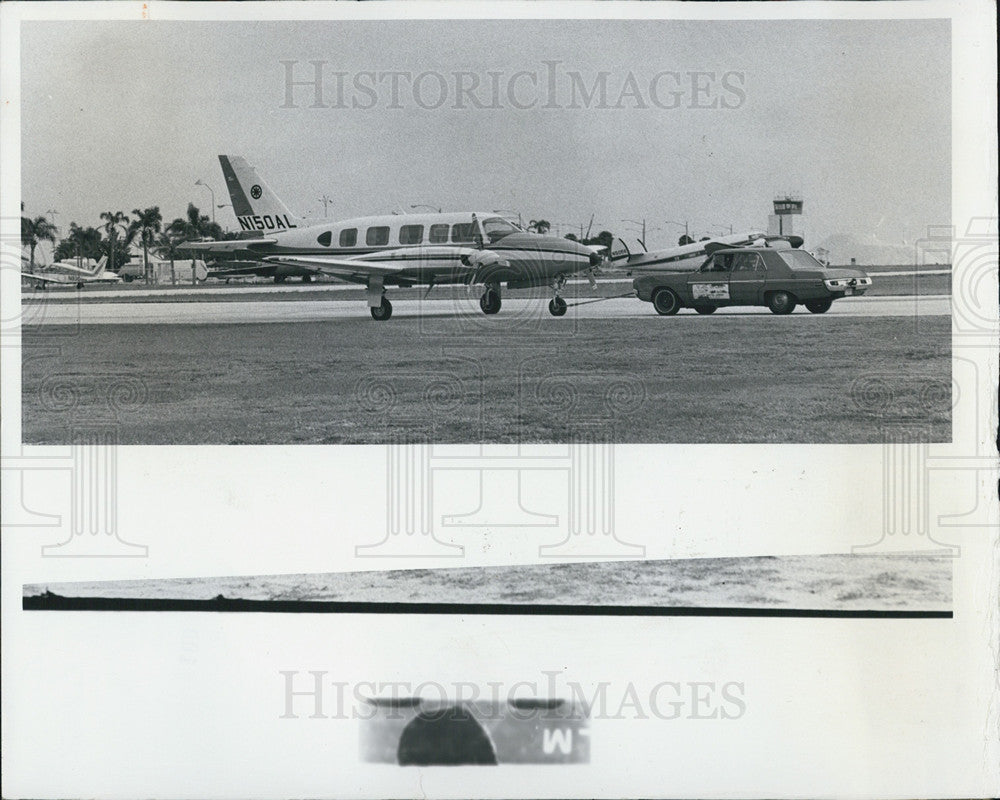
228 246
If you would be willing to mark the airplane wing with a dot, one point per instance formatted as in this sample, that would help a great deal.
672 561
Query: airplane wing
228 246
391 262
43 279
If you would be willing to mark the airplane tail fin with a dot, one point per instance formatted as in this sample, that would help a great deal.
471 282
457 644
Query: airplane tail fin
256 206
98 268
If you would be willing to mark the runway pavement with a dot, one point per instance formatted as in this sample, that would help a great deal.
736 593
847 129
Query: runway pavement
255 311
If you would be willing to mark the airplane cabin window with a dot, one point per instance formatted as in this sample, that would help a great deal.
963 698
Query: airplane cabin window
411 234
325 238
439 233
377 236
348 237
463 232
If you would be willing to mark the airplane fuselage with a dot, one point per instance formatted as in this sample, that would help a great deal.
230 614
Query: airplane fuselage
530 258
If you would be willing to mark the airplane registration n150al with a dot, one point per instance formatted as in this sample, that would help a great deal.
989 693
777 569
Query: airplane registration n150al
471 248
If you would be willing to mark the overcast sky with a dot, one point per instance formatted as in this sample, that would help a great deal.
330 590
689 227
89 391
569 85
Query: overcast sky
855 116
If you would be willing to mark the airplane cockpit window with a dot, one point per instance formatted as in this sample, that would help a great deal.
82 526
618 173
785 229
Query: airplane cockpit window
377 236
463 232
411 234
496 228
325 238
348 237
439 233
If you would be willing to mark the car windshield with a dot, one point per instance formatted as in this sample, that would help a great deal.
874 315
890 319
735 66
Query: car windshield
799 259
497 227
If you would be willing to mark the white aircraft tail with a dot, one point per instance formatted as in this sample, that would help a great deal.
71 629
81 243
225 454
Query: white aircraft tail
97 269
257 208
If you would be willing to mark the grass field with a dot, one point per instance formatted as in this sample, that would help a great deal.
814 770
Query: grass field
756 378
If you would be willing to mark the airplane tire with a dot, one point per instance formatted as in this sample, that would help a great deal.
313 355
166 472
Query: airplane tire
279 278
781 303
490 301
666 302
383 312
307 278
557 307
819 306
705 309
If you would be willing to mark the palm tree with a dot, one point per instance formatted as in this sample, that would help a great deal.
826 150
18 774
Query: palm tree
539 225
147 225
82 242
113 220
34 231
168 243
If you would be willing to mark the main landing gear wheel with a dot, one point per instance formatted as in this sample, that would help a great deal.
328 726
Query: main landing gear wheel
557 306
490 301
666 302
382 312
819 306
781 303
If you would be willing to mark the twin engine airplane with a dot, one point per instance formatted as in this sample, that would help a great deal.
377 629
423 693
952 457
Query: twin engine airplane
470 248
69 273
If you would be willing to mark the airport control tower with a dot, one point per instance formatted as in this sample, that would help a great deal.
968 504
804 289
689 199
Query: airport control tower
786 208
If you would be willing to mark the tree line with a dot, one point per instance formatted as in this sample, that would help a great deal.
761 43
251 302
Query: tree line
118 232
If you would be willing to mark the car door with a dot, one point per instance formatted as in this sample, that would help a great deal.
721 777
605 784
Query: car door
746 281
709 286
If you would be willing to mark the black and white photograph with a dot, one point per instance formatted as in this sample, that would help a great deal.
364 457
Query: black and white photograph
352 233
507 399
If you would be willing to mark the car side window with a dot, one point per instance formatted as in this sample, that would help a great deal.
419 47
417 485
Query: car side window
748 262
723 262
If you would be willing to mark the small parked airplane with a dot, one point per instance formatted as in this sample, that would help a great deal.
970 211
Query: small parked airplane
471 248
683 258
70 273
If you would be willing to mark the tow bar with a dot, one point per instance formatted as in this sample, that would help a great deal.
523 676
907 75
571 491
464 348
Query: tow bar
599 299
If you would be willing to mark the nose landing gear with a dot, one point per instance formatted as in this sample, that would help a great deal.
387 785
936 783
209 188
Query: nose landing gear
557 306
490 301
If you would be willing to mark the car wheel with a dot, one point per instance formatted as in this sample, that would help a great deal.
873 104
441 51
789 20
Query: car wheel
705 309
666 302
819 306
781 303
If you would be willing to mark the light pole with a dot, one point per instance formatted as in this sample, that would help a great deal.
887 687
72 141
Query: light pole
643 224
200 182
414 205
326 202
717 225
682 224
